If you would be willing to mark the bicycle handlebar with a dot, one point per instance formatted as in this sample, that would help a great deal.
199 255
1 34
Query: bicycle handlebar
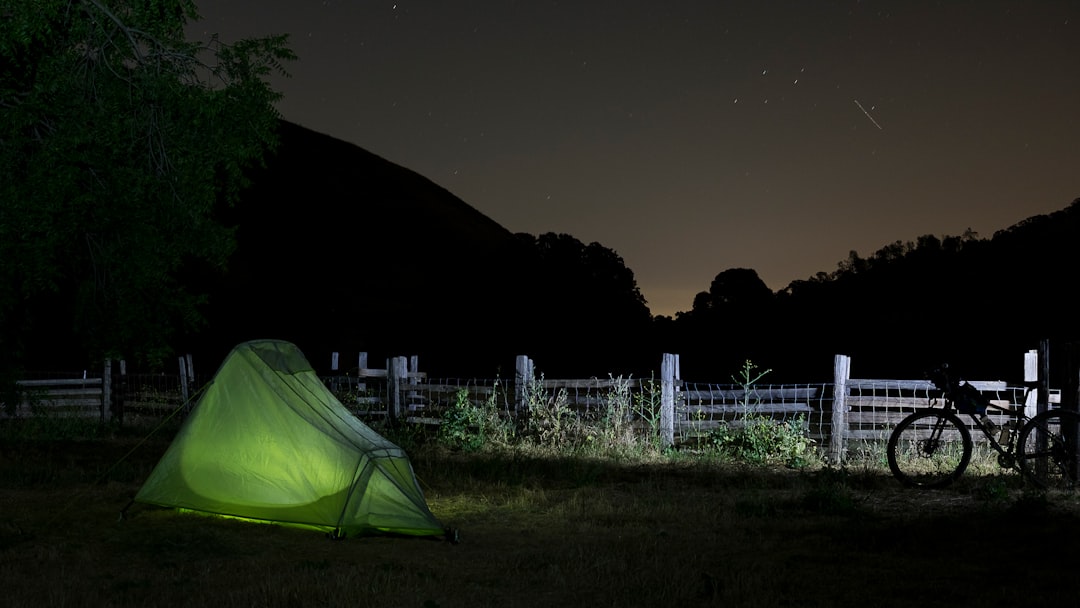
941 378
966 397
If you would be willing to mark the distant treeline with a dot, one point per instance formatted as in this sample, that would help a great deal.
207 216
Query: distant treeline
974 302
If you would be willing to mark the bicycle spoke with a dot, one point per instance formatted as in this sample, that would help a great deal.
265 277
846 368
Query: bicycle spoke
929 449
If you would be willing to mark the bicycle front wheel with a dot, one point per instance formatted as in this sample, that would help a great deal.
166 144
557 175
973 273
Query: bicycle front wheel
929 449
1046 449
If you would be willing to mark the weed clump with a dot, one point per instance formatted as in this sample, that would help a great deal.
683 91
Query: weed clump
757 438
469 426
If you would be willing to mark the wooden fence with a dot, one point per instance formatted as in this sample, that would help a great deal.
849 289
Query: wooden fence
60 398
107 396
841 417
864 411
676 410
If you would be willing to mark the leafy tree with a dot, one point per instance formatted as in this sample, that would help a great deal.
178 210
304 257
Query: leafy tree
120 144
585 292
732 292
593 274
739 287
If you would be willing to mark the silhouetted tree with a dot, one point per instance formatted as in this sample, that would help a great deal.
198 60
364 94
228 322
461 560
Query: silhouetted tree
728 324
741 287
587 306
118 140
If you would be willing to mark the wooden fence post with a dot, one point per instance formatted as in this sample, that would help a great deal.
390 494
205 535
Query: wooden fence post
184 391
192 389
1043 402
524 374
414 368
396 372
106 393
412 397
361 385
1031 381
121 392
668 378
841 373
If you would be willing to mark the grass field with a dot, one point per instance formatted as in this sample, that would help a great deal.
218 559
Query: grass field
541 530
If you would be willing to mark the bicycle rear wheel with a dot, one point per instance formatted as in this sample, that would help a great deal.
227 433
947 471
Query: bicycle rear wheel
929 449
1046 449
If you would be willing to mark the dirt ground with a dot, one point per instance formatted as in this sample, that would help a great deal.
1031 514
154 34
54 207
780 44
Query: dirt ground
542 532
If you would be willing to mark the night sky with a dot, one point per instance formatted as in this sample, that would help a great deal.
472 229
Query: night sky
692 137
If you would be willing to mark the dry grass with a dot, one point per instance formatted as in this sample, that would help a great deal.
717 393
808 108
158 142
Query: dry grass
541 531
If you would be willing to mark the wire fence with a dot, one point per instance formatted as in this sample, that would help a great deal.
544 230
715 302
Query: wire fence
870 408
705 406
858 419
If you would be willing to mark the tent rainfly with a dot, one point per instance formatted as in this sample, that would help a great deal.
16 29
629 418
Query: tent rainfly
268 442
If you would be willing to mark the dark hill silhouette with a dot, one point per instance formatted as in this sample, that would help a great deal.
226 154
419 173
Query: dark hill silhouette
340 249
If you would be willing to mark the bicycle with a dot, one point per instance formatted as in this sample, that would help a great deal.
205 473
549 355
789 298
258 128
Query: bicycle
932 447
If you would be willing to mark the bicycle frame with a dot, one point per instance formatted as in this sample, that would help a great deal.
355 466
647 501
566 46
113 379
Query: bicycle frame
1017 418
1007 451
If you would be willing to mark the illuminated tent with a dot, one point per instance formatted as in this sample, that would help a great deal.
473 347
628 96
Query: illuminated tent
267 441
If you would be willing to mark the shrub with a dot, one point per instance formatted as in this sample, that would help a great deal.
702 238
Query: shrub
758 439
550 420
647 407
470 426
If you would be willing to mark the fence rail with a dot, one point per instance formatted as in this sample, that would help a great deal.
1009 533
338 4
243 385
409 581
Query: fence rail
58 397
107 397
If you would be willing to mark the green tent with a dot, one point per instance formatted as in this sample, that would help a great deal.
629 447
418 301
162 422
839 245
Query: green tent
267 441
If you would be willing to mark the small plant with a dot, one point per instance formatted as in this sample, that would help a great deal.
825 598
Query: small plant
550 419
469 426
747 380
647 407
615 420
462 424
610 427
757 438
